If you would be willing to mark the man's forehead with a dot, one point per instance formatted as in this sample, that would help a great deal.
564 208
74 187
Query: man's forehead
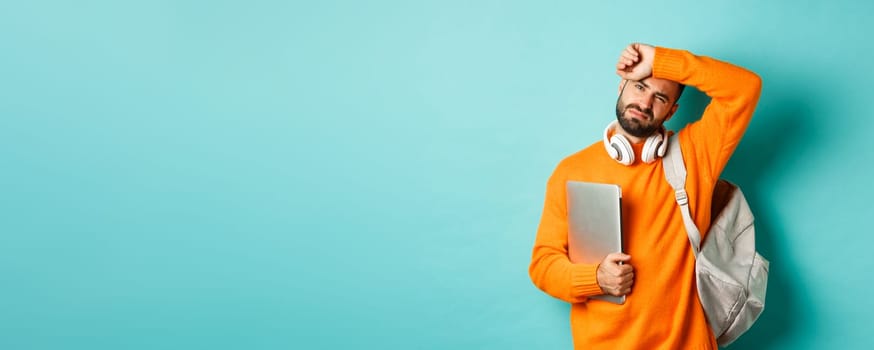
661 85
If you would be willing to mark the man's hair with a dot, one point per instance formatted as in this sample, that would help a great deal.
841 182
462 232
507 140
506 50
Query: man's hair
679 92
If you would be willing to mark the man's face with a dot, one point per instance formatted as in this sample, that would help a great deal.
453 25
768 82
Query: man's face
643 106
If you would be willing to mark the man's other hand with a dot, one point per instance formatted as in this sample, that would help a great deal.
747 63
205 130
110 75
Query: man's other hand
635 62
615 278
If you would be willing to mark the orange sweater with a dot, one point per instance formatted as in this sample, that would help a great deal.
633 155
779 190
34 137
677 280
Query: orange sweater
662 311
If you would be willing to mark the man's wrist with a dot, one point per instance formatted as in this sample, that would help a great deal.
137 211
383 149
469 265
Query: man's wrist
669 64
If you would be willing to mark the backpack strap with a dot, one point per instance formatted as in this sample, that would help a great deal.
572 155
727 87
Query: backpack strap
675 173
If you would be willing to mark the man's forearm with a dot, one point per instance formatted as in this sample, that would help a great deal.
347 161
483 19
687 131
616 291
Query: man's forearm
733 86
734 92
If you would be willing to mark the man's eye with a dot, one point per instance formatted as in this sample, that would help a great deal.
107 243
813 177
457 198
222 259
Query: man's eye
662 100
638 86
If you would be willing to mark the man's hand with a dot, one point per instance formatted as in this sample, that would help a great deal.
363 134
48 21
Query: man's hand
635 62
615 279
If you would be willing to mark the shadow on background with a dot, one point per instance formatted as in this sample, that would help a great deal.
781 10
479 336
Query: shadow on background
757 157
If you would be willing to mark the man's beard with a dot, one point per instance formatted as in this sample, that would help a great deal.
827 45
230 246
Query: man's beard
633 126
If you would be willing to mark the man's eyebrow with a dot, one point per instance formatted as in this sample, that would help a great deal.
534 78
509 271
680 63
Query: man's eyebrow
657 93
663 95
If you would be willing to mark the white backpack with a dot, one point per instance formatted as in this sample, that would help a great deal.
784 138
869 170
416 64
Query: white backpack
732 278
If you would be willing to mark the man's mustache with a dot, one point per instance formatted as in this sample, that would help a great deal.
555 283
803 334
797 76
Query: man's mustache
647 112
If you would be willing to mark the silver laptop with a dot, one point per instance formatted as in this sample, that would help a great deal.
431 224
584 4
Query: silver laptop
594 224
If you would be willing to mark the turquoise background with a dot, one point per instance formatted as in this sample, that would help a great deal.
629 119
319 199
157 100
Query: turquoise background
370 175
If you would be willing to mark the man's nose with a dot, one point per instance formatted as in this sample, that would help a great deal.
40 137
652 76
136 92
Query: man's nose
648 101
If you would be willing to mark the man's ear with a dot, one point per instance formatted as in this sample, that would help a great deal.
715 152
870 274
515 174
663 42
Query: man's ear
672 111
622 85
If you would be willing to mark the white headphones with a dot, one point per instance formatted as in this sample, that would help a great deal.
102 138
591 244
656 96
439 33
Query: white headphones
620 148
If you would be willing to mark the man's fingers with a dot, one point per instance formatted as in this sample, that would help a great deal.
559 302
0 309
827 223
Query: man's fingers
619 290
625 61
628 60
625 269
619 270
617 257
622 288
626 282
621 281
613 268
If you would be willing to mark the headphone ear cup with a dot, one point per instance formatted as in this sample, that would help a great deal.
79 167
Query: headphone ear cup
625 154
664 145
652 147
612 150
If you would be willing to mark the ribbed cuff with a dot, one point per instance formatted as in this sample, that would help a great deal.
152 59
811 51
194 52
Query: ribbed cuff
669 64
584 280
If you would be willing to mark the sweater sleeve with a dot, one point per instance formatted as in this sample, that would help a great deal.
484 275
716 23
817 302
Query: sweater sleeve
551 270
734 92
